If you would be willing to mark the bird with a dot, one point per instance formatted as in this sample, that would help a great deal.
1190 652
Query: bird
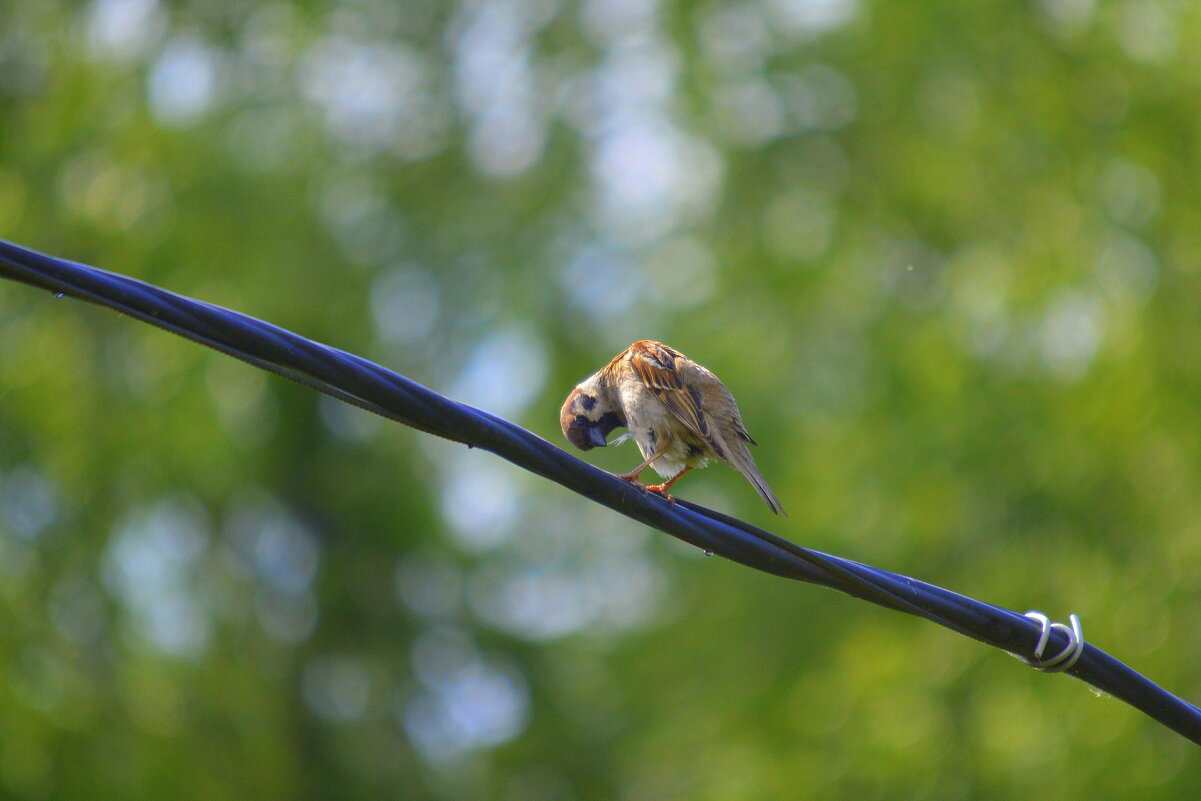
679 413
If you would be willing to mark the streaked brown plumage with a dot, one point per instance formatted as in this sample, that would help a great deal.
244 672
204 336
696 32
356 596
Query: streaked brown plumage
679 413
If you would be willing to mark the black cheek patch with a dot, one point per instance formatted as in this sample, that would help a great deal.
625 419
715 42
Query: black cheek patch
608 422
588 401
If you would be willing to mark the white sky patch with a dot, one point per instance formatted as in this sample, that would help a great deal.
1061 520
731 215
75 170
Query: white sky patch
538 602
1070 334
608 20
812 17
638 165
507 142
480 500
283 552
183 81
504 373
635 79
599 280
151 564
123 29
375 95
651 177
467 702
1146 30
497 87
405 304
1070 16
28 502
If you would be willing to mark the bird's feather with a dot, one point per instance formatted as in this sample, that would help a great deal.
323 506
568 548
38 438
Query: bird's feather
705 415
659 368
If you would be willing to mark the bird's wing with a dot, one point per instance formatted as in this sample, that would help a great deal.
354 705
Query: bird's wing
727 426
702 403
660 368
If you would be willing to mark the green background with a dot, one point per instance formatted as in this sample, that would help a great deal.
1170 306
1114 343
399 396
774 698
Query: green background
945 254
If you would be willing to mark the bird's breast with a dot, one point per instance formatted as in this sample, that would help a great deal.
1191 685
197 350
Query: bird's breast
656 430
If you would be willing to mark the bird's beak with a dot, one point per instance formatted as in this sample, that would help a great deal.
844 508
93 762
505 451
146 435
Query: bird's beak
596 437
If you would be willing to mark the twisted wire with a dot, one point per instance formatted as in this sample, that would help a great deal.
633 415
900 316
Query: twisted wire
368 385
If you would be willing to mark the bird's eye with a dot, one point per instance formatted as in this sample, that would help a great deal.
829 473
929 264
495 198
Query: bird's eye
581 421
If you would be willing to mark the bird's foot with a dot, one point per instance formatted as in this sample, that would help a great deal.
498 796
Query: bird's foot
633 479
661 490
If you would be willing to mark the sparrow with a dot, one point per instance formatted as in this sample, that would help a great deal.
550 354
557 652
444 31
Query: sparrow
679 413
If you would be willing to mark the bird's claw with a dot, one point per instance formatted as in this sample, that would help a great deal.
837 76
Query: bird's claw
661 491
633 480
658 489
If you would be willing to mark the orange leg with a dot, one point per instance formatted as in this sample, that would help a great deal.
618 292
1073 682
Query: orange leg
632 476
663 488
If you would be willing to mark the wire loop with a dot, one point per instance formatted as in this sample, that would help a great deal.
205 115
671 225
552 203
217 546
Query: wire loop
1064 659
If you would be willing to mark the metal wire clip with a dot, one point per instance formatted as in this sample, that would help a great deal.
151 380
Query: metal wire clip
1065 658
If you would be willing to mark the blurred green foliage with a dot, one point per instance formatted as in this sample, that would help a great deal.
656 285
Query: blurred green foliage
945 254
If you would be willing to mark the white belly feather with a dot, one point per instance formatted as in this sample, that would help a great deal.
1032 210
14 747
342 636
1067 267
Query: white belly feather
653 427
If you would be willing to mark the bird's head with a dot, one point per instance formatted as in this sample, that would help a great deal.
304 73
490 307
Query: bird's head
589 414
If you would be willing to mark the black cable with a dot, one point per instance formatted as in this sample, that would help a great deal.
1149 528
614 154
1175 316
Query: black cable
355 380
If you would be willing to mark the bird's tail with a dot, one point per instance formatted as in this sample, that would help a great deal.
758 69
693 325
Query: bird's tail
740 457
760 484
